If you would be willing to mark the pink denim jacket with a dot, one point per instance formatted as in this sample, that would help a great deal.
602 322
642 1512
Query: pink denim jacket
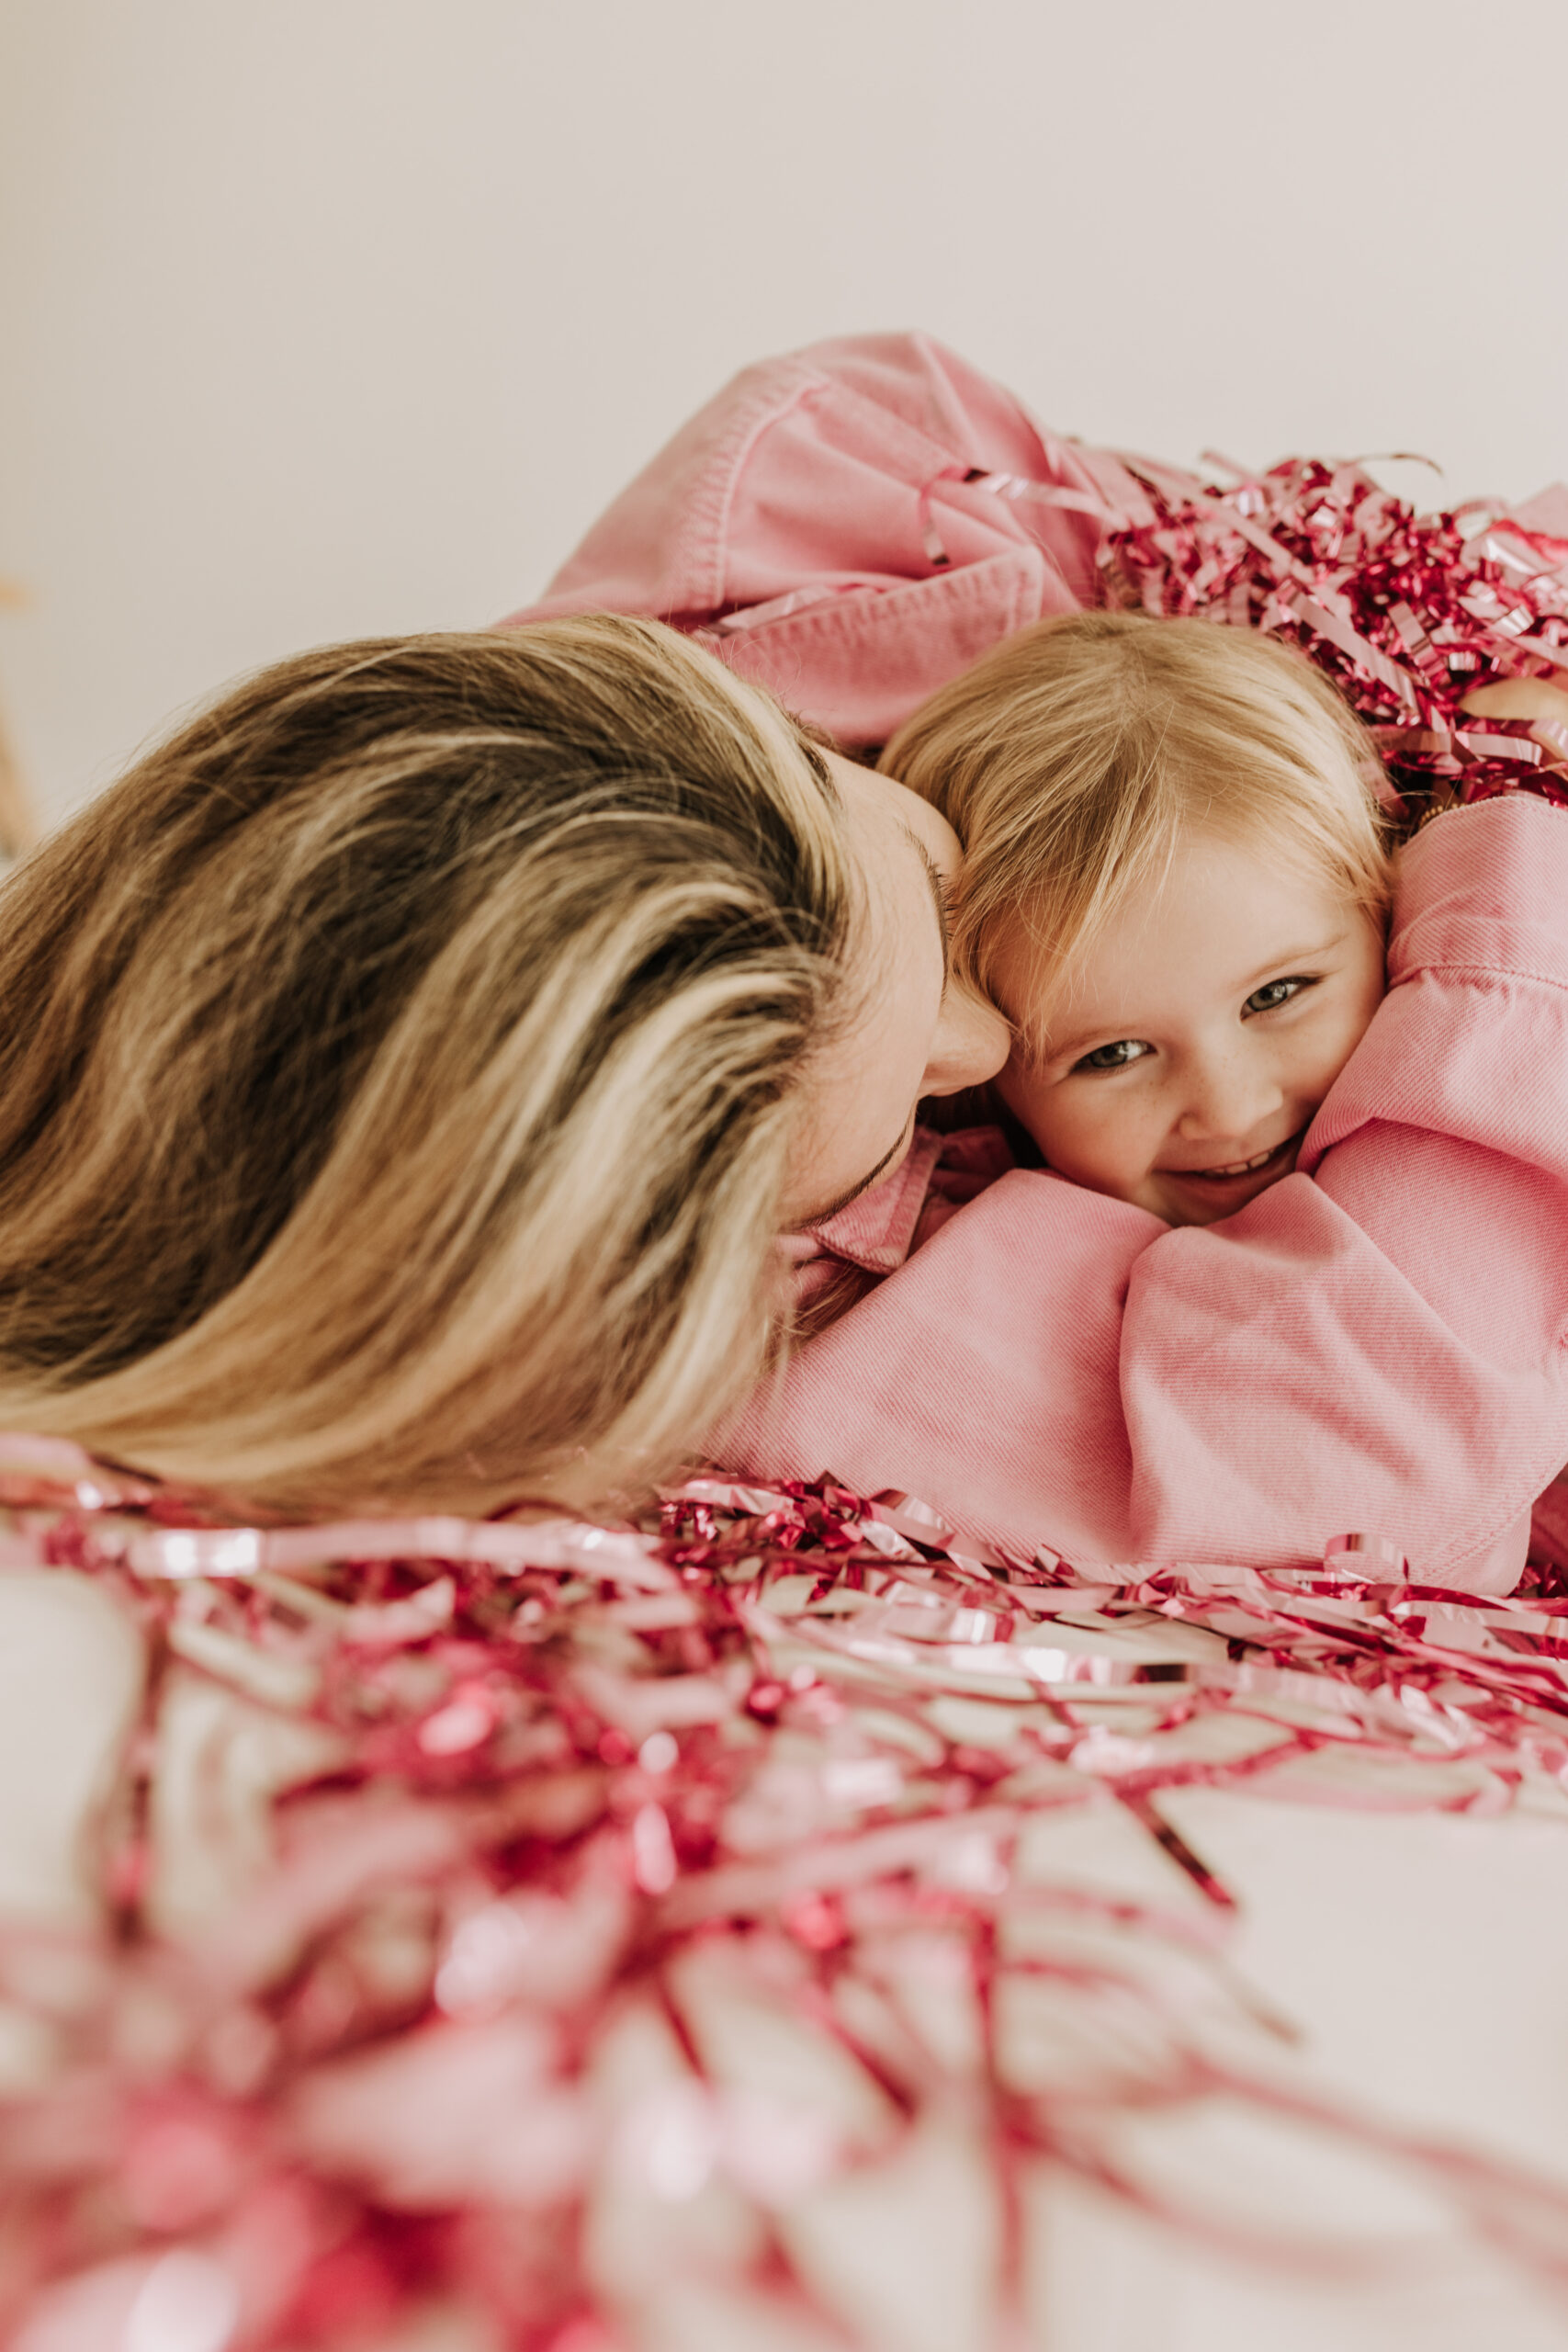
1373 1345
816 526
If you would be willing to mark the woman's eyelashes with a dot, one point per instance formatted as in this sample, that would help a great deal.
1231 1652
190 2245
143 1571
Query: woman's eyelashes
1123 1052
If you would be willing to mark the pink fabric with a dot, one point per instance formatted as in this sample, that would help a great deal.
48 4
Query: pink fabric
813 527
877 1232
1375 1343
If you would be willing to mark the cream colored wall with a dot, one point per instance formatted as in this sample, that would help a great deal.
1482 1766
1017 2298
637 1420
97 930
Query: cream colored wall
331 316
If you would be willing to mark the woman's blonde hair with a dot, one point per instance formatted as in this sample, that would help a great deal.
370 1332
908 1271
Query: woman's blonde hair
398 1067
1072 760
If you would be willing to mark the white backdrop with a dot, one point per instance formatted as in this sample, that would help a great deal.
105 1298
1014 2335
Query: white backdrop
333 316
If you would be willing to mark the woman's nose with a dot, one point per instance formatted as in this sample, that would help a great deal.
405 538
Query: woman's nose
1229 1097
972 1042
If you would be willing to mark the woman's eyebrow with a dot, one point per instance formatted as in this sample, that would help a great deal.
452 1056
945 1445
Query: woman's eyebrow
812 745
939 899
815 761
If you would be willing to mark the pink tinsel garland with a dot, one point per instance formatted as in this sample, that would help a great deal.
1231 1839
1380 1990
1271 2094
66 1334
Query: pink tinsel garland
599 1811
1407 613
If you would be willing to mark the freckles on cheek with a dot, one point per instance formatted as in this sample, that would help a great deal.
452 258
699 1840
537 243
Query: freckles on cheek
1337 1049
1109 1146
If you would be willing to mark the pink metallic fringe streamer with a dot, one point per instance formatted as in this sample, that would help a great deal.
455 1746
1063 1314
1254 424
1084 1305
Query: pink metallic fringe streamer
1408 613
656 1890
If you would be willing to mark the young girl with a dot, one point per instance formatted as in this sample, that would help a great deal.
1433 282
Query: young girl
1057 1364
1177 886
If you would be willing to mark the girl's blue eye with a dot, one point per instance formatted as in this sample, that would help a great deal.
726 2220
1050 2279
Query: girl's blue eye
1269 998
1116 1057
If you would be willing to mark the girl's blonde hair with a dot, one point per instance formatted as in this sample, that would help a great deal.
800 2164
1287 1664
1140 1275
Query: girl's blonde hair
398 1067
1072 760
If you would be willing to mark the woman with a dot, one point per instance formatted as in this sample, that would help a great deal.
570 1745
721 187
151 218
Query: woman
405 1070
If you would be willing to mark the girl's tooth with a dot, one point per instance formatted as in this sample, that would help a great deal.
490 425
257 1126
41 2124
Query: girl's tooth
1240 1167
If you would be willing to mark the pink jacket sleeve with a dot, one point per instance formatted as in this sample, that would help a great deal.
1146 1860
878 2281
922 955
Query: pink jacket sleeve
1375 1344
851 526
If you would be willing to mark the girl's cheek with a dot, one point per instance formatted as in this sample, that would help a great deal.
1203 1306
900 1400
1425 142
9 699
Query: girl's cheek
1353 1027
1322 1078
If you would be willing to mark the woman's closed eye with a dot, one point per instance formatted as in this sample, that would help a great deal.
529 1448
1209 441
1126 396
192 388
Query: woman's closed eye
1274 993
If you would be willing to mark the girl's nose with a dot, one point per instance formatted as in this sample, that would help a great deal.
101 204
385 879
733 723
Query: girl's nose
1229 1099
971 1043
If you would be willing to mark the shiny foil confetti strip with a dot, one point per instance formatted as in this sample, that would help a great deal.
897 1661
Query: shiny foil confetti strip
591 1938
1408 613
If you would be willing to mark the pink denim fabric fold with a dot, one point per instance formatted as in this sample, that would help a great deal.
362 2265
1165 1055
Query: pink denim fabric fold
877 1232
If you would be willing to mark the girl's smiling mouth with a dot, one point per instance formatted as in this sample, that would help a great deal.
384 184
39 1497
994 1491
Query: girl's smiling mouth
1276 1162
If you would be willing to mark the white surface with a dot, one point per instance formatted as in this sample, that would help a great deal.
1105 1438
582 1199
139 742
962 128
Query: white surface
1421 1958
337 316
71 1669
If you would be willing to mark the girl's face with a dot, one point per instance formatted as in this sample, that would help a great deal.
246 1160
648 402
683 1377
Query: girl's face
1187 1053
